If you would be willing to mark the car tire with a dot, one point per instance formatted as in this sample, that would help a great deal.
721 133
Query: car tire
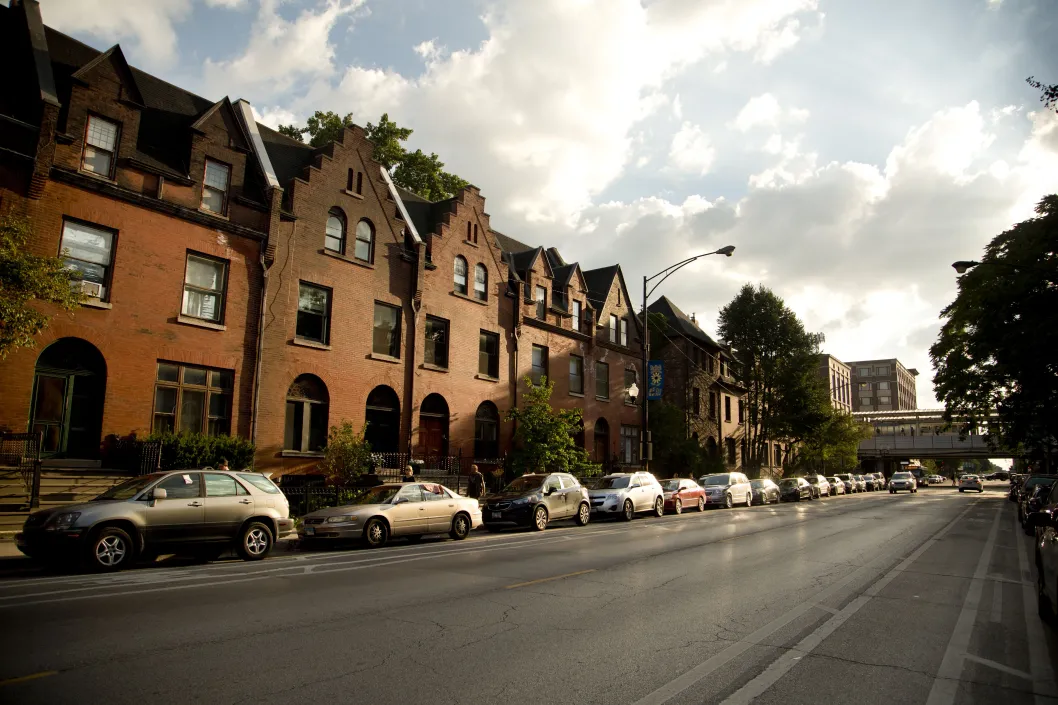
255 542
727 501
960 490
677 507
110 550
628 511
701 504
539 518
659 507
461 526
892 491
749 499
376 533
583 514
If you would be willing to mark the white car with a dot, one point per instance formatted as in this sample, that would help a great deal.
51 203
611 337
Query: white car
903 481
624 494
726 489
970 482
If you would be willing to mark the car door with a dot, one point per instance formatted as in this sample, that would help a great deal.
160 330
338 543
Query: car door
179 517
227 505
440 508
743 489
554 499
408 513
571 493
635 493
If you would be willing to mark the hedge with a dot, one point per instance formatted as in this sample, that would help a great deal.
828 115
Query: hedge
196 450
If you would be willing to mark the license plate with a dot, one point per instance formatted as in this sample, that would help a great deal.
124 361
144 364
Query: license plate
497 515
310 530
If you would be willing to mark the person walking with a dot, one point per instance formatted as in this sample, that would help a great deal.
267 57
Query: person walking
475 483
222 464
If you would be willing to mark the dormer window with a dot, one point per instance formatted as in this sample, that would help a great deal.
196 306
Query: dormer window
215 187
576 316
100 146
541 303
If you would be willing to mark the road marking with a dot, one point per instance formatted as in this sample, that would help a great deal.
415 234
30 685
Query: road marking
31 677
946 682
997 602
998 666
547 580
704 669
1043 685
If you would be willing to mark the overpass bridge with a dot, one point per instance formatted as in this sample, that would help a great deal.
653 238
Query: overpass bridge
921 434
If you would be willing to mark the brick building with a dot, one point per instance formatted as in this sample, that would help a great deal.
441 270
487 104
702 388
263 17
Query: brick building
837 378
883 385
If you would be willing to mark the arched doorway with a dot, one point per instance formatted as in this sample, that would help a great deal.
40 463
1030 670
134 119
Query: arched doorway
383 420
486 432
433 426
602 442
69 387
710 447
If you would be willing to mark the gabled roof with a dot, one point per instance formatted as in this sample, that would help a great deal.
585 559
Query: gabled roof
509 244
523 261
118 56
682 324
564 273
599 282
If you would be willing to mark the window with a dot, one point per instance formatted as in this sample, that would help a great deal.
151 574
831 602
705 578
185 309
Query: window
334 240
881 371
712 405
613 328
459 275
360 183
865 387
385 334
89 252
487 431
219 485
630 445
602 380
314 313
618 296
481 282
365 241
215 187
541 303
350 180
489 354
539 370
696 397
306 415
475 233
741 410
727 408
183 486
732 459
436 342
884 400
864 371
576 374
778 454
723 368
883 386
630 379
624 331
865 401
469 232
100 146
192 399
576 315
204 281
712 364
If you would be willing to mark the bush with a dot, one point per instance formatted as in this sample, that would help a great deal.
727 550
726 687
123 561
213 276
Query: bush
196 450
347 455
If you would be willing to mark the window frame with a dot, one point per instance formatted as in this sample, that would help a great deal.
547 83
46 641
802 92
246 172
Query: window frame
343 237
462 291
579 376
605 378
613 328
307 406
483 295
225 194
629 436
712 405
492 362
540 298
727 408
544 367
108 275
398 330
576 309
622 329
113 154
326 337
430 346
370 241
222 293
209 389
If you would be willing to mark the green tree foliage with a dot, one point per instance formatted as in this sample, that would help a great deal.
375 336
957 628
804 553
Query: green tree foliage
833 444
675 454
777 364
544 439
388 138
322 127
425 175
997 352
26 279
347 455
197 450
1048 94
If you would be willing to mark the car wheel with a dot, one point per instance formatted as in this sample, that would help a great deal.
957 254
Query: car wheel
376 533
659 507
628 511
749 499
583 514
677 507
701 504
727 501
460 527
109 550
539 518
892 491
256 541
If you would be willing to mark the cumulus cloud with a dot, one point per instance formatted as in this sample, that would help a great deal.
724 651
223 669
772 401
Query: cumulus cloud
765 111
149 25
691 150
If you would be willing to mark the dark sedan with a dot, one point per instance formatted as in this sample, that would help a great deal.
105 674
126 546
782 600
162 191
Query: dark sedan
535 500
1045 525
764 491
794 489
1033 496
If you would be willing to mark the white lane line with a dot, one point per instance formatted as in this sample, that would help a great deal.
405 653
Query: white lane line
1043 684
781 666
946 682
704 669
997 602
998 666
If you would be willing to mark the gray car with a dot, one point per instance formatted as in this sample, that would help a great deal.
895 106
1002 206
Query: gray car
199 512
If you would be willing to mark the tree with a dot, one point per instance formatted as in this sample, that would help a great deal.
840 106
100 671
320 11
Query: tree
776 363
322 127
834 443
425 175
996 353
675 453
25 279
388 138
1048 94
347 455
544 438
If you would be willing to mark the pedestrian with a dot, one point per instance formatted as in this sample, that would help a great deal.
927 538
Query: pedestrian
409 476
476 483
222 464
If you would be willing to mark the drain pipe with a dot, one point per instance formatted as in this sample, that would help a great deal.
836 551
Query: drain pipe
260 352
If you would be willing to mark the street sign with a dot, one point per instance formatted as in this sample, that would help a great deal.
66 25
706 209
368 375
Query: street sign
655 379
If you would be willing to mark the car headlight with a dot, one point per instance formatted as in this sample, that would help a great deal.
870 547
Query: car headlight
60 522
520 501
342 518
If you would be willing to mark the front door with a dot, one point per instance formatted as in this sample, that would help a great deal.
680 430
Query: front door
433 431
49 412
68 391
554 498
440 508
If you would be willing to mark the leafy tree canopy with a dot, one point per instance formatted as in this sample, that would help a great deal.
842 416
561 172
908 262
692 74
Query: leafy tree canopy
26 279
544 439
347 455
1048 94
833 444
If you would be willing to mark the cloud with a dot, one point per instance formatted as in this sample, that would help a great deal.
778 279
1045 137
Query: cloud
229 4
691 150
274 117
765 111
149 25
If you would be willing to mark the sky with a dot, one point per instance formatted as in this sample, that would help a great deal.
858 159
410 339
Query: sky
850 150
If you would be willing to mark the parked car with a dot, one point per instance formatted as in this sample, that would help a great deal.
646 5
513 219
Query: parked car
1032 504
1045 526
879 480
535 501
197 512
764 491
936 479
820 485
395 510
837 486
726 489
680 493
1015 486
971 482
1028 488
625 494
794 489
850 482
902 480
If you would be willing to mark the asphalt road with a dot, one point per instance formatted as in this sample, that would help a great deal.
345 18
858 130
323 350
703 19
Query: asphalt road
871 598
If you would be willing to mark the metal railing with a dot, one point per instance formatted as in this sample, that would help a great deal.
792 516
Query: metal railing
22 451
134 456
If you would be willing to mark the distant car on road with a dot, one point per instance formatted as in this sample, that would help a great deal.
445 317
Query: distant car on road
820 485
726 489
764 491
837 485
971 482
536 500
626 494
850 482
901 481
794 489
681 494
196 512
861 483
936 479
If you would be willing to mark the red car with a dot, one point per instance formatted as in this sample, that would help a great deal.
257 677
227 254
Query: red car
683 493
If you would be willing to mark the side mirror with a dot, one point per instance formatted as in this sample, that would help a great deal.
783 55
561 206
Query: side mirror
159 493
549 491
400 500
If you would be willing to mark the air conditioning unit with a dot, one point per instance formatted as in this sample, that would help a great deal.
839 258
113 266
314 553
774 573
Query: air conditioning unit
92 289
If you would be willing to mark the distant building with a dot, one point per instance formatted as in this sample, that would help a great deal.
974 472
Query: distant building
838 379
883 385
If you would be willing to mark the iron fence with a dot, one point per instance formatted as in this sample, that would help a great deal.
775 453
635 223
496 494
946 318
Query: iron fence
132 455
22 451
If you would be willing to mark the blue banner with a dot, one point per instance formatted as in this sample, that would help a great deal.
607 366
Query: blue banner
655 379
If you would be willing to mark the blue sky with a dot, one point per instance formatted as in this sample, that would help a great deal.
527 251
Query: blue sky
850 149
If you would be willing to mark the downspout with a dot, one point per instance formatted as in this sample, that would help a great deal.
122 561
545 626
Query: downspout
260 351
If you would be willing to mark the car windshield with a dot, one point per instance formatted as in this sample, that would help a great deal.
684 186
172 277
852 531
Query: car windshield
670 485
377 495
812 480
260 482
1033 481
525 483
612 483
901 476
130 488
789 483
716 480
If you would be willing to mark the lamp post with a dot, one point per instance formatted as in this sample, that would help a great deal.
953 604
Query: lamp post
646 453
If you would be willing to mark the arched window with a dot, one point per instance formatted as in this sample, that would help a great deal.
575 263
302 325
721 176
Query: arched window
306 416
365 241
383 420
486 431
481 282
335 238
459 278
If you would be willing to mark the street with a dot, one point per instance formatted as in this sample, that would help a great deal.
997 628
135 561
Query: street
869 598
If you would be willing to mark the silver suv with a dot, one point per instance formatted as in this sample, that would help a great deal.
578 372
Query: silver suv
727 489
201 512
624 494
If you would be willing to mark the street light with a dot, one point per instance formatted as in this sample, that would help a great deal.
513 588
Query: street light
964 264
646 447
